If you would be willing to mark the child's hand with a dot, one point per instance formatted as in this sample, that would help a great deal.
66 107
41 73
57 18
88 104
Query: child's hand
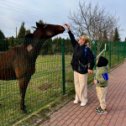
90 71
95 81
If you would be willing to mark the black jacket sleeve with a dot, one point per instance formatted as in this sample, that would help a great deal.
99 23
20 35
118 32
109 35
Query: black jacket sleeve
73 40
90 58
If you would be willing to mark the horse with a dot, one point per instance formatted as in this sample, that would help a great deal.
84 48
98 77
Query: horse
18 63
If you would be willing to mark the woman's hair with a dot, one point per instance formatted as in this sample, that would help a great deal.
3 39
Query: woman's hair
86 38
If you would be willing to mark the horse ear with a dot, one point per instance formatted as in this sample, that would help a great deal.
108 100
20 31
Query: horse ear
37 24
34 27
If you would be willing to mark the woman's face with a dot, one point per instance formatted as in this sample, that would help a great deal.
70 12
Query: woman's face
81 41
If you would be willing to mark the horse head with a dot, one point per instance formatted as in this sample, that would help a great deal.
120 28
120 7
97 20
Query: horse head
45 31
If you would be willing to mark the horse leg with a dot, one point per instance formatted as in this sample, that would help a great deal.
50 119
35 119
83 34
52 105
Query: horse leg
23 83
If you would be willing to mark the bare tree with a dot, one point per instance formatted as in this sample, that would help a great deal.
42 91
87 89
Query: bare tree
92 20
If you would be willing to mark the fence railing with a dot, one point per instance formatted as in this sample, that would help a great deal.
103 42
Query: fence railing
53 77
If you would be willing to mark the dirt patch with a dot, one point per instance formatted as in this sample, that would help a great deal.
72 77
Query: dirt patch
47 86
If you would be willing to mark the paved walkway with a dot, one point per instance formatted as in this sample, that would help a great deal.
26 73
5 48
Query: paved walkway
74 115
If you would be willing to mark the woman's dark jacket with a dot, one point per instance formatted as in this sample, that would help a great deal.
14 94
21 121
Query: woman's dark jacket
83 58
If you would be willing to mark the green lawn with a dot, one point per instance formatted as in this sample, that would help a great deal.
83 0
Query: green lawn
44 87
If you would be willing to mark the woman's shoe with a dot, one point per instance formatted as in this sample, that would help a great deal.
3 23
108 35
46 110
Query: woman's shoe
75 101
83 103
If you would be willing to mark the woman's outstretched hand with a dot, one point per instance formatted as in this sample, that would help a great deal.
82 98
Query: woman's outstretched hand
67 26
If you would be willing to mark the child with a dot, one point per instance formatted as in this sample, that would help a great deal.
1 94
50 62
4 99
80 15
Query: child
101 81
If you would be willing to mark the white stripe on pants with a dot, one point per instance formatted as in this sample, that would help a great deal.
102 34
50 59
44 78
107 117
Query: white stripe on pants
101 94
80 82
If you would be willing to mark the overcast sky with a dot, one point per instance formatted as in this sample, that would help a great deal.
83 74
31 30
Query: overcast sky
14 12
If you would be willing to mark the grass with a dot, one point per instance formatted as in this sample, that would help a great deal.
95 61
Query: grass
45 87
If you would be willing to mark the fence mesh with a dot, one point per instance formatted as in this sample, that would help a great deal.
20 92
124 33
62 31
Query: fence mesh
47 82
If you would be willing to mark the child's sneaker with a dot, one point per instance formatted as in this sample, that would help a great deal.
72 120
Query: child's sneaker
101 111
98 108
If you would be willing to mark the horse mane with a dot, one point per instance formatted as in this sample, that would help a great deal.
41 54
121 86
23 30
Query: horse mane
28 39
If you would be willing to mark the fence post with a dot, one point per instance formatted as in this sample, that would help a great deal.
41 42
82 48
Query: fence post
63 67
94 47
118 47
123 46
106 49
110 54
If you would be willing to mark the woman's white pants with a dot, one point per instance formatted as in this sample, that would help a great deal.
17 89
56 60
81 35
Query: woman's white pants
80 83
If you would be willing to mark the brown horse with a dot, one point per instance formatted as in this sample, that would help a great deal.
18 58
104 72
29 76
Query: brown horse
19 62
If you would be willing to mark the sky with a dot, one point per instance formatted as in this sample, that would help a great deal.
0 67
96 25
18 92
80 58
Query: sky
14 12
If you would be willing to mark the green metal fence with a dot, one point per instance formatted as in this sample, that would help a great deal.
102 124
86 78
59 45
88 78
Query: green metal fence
115 51
53 78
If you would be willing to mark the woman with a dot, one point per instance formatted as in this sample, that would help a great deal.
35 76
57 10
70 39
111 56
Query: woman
82 63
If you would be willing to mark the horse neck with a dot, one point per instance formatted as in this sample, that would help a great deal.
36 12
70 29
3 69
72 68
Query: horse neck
36 47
